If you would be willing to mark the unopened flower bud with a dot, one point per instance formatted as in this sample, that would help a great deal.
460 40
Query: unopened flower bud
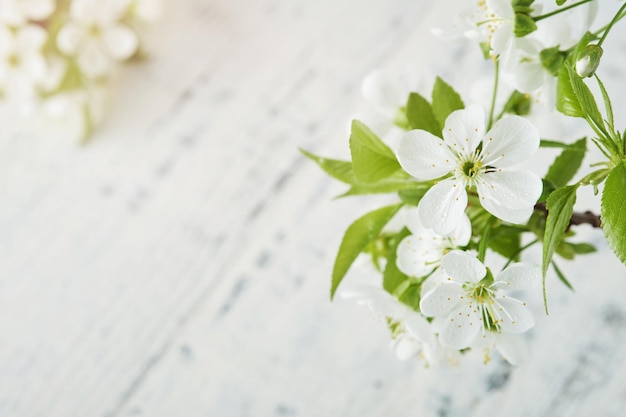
588 60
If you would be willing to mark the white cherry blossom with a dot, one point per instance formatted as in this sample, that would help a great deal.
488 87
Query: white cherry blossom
96 36
472 303
412 334
421 252
489 22
22 65
18 12
469 157
524 69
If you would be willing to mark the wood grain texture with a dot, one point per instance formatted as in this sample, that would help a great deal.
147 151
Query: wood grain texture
179 265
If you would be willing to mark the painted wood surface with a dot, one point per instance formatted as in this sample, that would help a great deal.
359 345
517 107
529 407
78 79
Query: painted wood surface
179 264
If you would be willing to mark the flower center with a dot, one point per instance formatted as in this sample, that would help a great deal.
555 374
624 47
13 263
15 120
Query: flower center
469 169
94 31
13 60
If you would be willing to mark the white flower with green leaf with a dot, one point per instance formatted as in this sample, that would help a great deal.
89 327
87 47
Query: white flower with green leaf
473 302
470 158
421 252
96 36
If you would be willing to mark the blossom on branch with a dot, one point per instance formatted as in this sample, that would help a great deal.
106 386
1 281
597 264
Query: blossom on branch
467 157
474 303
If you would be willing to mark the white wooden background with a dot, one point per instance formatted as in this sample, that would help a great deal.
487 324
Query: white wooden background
179 264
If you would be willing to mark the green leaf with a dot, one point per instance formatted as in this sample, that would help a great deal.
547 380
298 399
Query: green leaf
506 240
560 207
340 170
413 195
518 103
607 103
585 98
561 276
566 101
393 277
372 160
548 187
388 185
547 143
560 2
552 59
358 235
524 25
613 212
445 101
411 296
567 164
580 248
420 115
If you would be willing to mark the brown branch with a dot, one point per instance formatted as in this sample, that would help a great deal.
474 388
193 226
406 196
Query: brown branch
578 218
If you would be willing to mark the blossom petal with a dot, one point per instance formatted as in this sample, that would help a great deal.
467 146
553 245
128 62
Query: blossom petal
417 256
512 189
441 299
462 233
464 129
512 348
93 60
38 9
510 141
425 156
405 347
463 267
443 206
30 39
502 8
461 327
514 315
504 44
529 76
511 215
435 279
120 42
519 277
413 222
69 37
419 328
376 299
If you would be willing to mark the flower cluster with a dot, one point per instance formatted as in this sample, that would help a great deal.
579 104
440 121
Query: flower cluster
465 200
55 55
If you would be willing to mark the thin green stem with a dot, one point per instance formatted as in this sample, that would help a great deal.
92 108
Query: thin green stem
561 10
494 95
517 252
612 23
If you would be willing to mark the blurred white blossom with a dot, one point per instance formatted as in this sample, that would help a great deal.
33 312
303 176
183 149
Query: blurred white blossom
18 12
96 36
22 65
